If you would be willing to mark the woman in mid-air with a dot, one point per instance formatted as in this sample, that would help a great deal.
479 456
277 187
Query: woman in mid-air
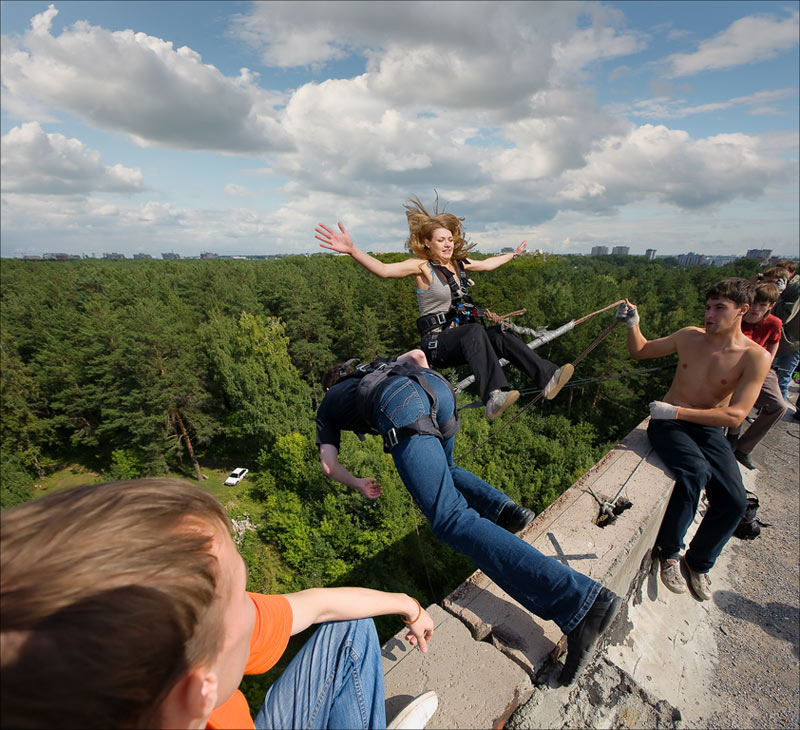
451 334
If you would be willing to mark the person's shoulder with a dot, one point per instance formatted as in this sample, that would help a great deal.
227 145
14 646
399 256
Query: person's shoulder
773 321
687 333
756 354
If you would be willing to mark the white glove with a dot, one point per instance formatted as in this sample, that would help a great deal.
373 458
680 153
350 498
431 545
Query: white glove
629 315
661 410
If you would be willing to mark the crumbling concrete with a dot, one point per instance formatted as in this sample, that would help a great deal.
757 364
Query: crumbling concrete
478 687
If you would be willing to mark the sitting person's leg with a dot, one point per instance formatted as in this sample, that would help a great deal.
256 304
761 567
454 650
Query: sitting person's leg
672 440
334 681
727 501
772 406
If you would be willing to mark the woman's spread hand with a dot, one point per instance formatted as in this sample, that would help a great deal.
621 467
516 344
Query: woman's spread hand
340 242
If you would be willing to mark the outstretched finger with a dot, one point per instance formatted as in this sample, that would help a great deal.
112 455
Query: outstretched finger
324 227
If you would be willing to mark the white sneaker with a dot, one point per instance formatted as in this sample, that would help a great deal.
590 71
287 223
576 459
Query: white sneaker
499 400
558 381
415 715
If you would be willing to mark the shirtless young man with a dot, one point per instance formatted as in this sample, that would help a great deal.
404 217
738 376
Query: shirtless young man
719 376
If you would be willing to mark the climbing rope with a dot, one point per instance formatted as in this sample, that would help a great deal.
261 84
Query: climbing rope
537 398
542 335
578 383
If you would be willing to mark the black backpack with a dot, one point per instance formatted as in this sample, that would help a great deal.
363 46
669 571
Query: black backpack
750 526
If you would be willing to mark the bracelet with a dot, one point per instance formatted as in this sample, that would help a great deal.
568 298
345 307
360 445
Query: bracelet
677 412
419 613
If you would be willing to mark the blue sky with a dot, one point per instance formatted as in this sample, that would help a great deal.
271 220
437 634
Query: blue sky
236 127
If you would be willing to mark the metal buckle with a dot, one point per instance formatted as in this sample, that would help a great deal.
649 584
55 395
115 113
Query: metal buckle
441 317
433 344
391 438
380 367
362 368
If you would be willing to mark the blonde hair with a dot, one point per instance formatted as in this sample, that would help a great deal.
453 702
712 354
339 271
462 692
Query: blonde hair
422 224
110 593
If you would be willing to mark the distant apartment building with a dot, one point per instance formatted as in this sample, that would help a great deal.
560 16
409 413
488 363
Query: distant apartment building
142 256
691 259
60 256
651 254
720 260
113 255
170 256
621 250
29 257
209 255
762 254
599 250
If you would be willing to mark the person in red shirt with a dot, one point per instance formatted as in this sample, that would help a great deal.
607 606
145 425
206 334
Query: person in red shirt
765 329
124 605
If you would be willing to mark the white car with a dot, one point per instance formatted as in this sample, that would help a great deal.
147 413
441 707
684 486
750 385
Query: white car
236 476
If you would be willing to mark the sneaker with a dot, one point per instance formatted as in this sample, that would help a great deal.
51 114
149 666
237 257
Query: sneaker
415 715
558 381
699 582
744 459
582 640
499 400
513 517
671 575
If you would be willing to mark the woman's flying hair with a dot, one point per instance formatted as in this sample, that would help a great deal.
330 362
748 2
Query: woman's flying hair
422 224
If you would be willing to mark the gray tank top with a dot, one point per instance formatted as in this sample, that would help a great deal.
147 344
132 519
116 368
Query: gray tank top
434 299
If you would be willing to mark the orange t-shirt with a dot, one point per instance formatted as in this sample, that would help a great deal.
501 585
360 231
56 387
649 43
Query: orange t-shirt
271 632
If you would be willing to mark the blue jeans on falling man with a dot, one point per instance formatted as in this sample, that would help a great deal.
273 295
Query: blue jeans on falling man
699 457
461 509
334 681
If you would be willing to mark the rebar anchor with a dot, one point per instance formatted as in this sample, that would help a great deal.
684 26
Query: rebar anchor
609 511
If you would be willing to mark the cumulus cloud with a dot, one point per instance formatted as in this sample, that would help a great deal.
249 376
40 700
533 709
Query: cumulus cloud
747 40
479 56
667 165
34 161
142 86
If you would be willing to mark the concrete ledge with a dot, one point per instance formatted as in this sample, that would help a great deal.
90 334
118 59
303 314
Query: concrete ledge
477 686
568 531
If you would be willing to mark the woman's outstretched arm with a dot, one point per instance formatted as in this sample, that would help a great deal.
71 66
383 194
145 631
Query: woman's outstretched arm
495 261
342 243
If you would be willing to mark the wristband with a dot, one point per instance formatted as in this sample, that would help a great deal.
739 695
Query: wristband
419 613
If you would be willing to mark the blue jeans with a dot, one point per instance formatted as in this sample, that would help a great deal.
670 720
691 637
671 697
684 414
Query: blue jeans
461 509
699 457
784 367
334 681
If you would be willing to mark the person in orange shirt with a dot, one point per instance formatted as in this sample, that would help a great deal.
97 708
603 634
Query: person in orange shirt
124 605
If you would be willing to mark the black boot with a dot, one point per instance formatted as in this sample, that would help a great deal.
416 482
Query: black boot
513 517
582 640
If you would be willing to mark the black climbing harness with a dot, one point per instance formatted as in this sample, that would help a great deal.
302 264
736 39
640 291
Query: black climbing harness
462 309
373 378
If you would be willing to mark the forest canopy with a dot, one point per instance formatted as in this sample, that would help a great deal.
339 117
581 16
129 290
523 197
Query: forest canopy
135 368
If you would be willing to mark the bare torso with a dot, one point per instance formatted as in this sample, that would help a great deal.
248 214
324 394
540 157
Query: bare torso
709 369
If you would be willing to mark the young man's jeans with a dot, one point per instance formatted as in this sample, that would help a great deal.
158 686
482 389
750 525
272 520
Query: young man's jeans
481 348
699 457
784 367
334 681
461 509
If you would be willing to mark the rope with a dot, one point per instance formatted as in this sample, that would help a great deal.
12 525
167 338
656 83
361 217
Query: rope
535 400
542 336
577 383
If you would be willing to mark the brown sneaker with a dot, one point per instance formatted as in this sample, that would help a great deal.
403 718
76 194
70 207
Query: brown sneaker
671 575
558 381
699 583
499 400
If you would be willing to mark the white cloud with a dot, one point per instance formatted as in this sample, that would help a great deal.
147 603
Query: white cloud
747 40
34 161
665 108
142 86
668 166
237 191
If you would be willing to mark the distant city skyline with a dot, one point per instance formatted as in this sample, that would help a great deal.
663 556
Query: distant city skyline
237 127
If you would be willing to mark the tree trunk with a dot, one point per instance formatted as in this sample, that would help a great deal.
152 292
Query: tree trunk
200 476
